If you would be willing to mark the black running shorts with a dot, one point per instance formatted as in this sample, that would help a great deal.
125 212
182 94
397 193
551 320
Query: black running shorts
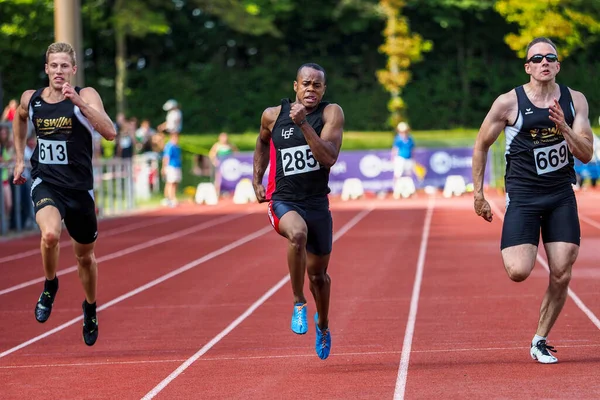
318 220
554 214
76 207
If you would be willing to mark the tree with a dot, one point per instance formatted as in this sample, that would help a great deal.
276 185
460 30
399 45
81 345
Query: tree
132 18
26 29
254 17
402 48
572 24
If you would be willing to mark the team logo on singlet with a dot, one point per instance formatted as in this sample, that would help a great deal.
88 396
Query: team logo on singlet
286 134
546 135
48 126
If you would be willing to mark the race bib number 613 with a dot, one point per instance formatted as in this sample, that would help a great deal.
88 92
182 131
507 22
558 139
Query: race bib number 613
551 158
52 152
298 160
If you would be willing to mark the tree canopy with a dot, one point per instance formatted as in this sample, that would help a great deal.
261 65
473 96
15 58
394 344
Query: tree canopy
227 60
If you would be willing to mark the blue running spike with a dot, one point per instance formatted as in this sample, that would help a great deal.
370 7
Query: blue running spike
299 320
323 340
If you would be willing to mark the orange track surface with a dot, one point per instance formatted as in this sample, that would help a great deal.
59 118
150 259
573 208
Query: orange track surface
194 304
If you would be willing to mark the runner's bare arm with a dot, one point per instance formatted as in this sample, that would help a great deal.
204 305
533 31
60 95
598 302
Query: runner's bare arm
93 109
20 136
326 148
492 126
579 138
262 149
20 125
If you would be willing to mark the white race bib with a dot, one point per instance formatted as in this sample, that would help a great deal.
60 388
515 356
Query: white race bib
551 158
298 160
52 152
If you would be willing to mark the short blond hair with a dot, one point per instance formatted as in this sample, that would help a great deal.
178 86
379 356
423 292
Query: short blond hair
61 47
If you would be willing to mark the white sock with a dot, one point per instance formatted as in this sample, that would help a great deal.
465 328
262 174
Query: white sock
537 338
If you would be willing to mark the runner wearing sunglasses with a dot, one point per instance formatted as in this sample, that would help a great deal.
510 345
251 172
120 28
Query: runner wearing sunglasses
545 124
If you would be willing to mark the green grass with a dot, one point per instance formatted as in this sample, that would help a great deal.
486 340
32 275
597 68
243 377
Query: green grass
201 143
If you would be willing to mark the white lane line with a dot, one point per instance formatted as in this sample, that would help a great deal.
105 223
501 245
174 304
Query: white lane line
147 286
283 356
132 249
589 221
243 316
544 264
110 232
414 304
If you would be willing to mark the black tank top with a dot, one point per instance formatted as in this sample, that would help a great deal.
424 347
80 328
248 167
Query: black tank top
63 154
295 175
537 155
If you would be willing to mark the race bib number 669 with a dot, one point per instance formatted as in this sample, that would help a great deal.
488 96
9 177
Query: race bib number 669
52 151
551 158
298 160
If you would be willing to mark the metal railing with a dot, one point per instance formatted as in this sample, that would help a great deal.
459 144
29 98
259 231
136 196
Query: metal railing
119 185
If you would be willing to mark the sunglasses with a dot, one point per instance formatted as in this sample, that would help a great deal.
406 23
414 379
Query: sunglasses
538 58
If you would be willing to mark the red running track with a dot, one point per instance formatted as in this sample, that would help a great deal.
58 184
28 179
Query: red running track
195 304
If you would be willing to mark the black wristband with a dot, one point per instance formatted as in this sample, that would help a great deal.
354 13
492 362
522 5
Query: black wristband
302 122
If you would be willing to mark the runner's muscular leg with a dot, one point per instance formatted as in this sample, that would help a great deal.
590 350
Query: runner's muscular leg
320 285
519 261
50 223
561 257
293 227
87 267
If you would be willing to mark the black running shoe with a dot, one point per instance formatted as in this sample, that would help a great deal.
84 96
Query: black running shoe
90 327
43 308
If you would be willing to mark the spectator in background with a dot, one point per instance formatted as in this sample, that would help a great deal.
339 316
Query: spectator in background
171 169
402 150
221 149
6 154
174 120
143 137
9 111
126 139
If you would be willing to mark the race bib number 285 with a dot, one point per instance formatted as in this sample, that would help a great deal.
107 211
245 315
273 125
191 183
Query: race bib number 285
52 152
298 160
551 158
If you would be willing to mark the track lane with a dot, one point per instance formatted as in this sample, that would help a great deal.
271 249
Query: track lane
372 271
475 325
191 308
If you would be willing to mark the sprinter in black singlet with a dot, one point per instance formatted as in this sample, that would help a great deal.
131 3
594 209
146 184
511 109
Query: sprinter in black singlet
302 139
545 124
64 118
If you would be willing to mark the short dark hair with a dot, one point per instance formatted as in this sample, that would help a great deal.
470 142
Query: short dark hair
540 40
313 66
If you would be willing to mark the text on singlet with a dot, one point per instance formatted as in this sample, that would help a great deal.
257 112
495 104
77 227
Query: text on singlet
551 158
298 160
52 152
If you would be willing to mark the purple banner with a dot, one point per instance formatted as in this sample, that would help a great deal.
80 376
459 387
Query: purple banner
374 168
